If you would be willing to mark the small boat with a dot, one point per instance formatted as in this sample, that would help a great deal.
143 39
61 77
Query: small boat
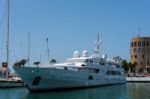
81 71
139 78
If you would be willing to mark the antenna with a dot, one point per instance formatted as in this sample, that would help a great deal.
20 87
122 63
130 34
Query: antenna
97 45
139 31
28 48
146 64
47 50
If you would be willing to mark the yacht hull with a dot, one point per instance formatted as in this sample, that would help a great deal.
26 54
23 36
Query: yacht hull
40 79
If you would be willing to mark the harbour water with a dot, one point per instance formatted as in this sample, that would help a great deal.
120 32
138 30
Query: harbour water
123 91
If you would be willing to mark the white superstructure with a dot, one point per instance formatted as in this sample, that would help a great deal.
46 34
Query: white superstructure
77 72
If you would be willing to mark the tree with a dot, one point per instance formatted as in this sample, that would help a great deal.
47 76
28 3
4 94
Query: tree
36 63
53 61
132 66
125 65
20 63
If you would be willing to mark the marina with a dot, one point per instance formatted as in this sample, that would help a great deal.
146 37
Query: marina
47 50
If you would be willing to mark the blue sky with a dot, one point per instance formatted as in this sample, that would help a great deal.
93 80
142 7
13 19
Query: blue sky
73 25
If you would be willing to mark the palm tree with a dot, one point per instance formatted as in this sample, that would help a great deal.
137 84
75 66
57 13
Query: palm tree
125 65
36 63
53 61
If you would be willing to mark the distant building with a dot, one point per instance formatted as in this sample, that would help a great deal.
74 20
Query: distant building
140 53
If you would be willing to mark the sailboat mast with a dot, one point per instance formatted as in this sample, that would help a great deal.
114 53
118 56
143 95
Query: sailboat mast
7 41
28 48
146 64
47 51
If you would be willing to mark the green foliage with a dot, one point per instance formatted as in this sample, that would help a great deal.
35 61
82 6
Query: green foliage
129 66
53 61
125 65
36 63
20 63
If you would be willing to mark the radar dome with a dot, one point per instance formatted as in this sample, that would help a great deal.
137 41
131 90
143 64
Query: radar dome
85 53
76 54
104 56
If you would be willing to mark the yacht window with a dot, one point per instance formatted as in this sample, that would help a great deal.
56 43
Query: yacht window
82 65
65 68
86 61
108 72
36 80
102 63
97 70
77 60
91 61
119 73
90 77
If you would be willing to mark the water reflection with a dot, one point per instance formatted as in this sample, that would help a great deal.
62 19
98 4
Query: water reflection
124 91
109 92
138 90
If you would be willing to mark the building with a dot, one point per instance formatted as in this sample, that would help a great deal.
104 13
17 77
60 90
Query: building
140 53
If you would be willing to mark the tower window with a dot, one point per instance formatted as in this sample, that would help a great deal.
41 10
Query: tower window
131 44
139 43
143 44
147 43
135 56
139 50
142 56
148 50
135 50
135 63
141 63
135 44
143 50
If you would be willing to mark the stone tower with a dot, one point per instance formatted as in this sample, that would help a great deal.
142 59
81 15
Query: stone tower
140 53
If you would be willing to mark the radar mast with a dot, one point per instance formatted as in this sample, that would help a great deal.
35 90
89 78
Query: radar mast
98 44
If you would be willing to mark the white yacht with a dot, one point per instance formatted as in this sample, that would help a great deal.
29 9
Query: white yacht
81 71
